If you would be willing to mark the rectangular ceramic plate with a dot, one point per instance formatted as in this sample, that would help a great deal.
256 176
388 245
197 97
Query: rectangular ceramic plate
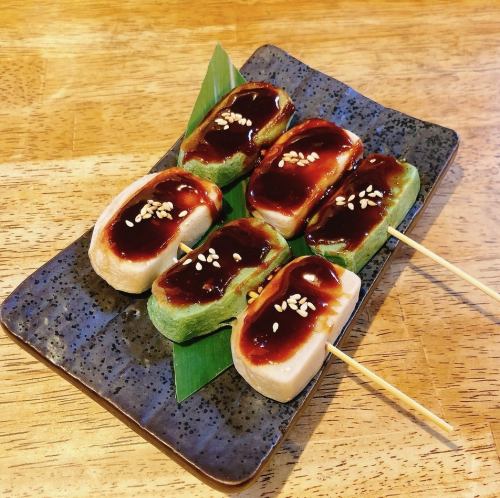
102 340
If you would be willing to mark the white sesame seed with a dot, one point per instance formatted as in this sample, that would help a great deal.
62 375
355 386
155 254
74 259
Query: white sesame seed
293 306
138 218
302 313
364 203
169 216
277 307
211 250
315 155
378 193
237 115
283 305
156 203
249 123
340 203
311 305
226 127
230 119
221 121
340 198
350 205
295 296
371 203
170 206
129 223
144 210
303 300
198 266
303 307
372 194
215 256
201 257
362 193
369 188
293 153
187 261
301 155
150 201
310 158
351 197
301 163
275 326
216 264
183 213
281 163
236 256
160 214
146 216
210 258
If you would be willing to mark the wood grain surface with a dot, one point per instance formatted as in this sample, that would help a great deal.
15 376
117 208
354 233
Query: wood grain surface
92 93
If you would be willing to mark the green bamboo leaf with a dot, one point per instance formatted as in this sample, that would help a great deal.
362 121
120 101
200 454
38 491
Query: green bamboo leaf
201 360
220 79
299 247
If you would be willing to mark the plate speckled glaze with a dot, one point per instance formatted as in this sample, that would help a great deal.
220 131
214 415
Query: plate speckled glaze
102 340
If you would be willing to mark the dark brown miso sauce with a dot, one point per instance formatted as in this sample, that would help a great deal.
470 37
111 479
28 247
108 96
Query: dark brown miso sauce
338 224
259 105
185 284
286 189
150 236
312 277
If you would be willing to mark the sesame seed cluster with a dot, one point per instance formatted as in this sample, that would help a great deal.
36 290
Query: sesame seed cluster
298 158
229 117
155 208
364 202
210 258
296 302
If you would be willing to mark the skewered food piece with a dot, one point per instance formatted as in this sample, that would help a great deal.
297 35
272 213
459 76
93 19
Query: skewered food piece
352 225
208 287
297 171
138 234
228 141
278 342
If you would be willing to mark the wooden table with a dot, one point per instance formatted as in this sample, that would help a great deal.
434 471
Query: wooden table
91 95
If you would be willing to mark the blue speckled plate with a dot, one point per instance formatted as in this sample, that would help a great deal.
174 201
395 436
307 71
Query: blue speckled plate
102 340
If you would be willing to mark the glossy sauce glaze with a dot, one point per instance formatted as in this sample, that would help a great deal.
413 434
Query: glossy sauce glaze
312 277
145 239
287 188
339 224
237 245
258 104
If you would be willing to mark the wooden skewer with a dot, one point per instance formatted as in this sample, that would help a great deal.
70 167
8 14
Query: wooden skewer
185 248
390 388
438 259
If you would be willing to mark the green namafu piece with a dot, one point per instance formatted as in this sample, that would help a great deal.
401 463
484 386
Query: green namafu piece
352 225
208 287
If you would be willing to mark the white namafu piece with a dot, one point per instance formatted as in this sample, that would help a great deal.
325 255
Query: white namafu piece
278 342
169 207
